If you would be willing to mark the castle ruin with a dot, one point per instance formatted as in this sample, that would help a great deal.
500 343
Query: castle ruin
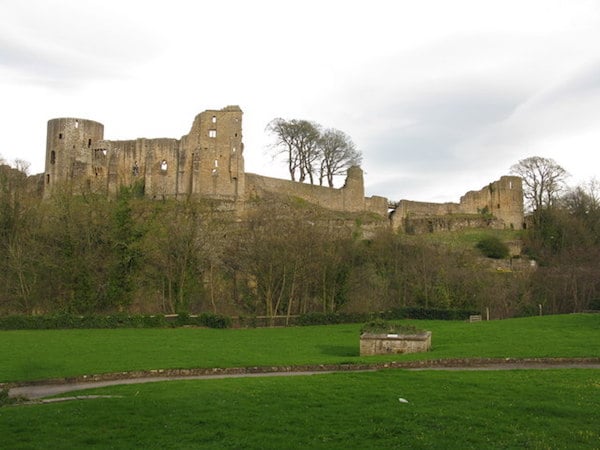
208 162
497 205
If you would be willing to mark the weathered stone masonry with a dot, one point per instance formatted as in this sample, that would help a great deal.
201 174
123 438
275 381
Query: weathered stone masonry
208 162
497 205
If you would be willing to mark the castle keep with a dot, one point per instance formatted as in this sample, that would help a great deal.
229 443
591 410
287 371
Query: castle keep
208 162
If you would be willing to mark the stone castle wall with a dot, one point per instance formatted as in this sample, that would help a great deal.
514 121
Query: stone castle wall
69 149
501 199
208 162
350 197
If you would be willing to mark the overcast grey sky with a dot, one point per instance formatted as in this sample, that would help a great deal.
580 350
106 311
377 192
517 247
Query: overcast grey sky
441 97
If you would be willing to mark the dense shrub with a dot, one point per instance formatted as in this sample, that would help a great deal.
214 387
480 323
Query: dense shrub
213 320
380 326
394 314
493 247
317 318
69 321
209 320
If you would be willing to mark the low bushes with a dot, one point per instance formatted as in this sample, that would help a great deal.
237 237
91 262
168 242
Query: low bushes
209 320
393 314
380 326
66 321
493 247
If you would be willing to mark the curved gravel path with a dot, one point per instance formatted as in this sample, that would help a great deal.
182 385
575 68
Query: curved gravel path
39 389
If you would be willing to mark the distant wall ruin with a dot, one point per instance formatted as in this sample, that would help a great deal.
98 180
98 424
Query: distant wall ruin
350 197
497 205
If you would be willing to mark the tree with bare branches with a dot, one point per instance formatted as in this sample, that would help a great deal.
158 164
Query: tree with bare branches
311 152
543 180
298 140
338 152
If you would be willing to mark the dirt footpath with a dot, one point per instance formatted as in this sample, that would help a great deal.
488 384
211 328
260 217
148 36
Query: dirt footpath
40 389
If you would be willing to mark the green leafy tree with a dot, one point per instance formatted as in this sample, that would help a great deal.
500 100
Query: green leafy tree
493 247
125 238
19 214
181 243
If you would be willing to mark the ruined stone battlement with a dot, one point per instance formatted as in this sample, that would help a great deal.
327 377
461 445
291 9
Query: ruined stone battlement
208 162
348 198
501 200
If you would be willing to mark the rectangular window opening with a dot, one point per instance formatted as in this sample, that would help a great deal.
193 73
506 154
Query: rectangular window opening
212 133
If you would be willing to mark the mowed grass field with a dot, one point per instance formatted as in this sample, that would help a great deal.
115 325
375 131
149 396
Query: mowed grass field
543 409
539 409
42 354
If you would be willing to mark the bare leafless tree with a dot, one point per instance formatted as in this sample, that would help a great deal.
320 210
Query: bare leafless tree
22 166
298 140
543 180
338 152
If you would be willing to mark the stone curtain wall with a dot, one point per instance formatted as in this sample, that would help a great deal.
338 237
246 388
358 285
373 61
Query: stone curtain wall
336 199
350 198
502 199
408 209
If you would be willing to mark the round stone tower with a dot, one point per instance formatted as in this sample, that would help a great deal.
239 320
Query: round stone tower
69 144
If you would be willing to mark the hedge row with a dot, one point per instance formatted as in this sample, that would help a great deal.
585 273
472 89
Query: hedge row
64 321
393 314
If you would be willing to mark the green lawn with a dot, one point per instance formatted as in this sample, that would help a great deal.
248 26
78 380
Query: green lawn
545 409
464 239
42 354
